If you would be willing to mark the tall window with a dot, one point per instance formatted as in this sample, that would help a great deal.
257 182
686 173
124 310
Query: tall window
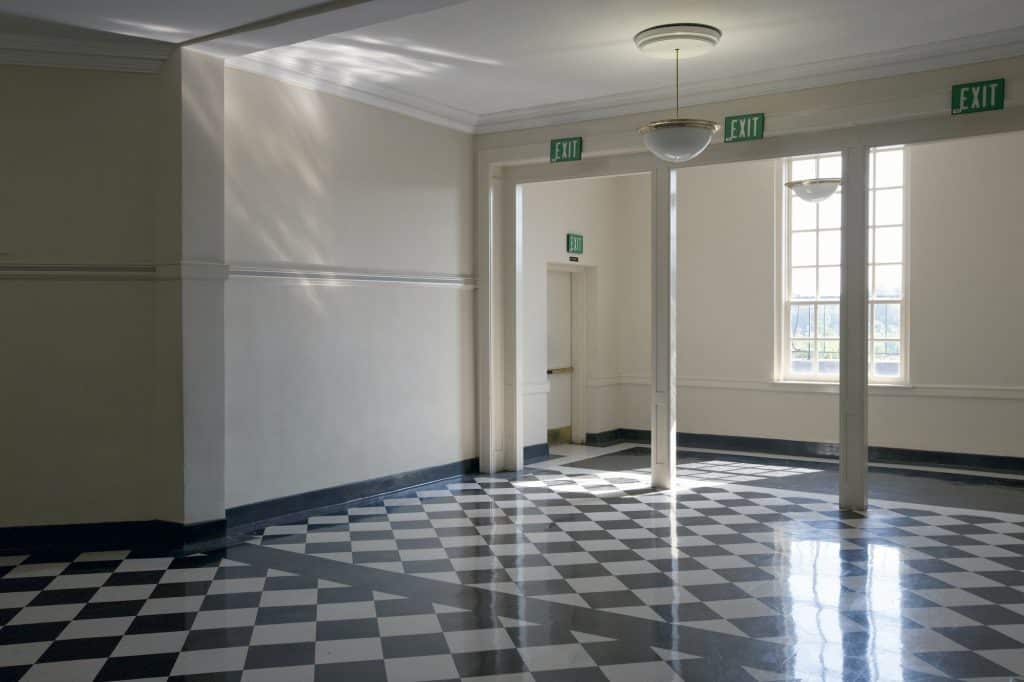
813 236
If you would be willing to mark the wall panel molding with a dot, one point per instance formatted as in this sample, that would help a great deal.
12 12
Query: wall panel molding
312 275
78 272
321 275
974 392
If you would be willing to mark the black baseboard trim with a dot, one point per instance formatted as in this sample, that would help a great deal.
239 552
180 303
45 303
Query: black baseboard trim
170 537
800 448
166 536
536 453
250 516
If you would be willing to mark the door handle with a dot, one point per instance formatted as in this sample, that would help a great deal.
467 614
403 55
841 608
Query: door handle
560 370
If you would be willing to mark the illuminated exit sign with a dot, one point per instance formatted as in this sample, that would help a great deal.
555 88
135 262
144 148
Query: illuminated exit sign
743 127
566 149
971 98
574 243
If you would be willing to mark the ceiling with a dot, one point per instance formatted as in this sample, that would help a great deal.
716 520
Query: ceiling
173 21
494 64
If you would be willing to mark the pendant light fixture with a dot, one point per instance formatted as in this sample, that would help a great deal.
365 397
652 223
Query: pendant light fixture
814 190
677 139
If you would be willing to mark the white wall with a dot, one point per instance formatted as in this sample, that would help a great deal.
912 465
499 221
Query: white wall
330 381
78 410
613 215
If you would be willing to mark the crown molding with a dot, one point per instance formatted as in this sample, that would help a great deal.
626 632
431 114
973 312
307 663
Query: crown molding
383 98
957 52
115 54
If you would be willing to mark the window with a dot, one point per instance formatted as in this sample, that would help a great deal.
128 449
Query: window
886 272
811 263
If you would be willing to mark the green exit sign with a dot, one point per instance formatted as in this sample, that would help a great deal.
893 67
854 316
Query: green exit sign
743 127
574 243
566 149
970 98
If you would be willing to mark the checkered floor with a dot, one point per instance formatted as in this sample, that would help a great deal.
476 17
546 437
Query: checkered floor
557 574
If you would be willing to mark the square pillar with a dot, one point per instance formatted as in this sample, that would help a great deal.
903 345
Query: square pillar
853 334
663 329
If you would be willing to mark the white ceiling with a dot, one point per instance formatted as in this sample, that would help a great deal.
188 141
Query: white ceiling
172 21
496 64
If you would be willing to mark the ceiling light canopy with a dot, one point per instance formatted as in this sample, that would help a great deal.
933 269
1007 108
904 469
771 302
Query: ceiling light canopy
814 190
676 140
690 40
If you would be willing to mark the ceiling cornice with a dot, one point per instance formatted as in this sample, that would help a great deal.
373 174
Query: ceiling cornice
973 49
108 54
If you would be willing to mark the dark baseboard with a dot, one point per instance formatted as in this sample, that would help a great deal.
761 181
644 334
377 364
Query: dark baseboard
801 448
616 436
536 453
164 536
170 537
250 516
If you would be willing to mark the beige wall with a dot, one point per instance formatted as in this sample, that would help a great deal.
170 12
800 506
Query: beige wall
77 410
333 382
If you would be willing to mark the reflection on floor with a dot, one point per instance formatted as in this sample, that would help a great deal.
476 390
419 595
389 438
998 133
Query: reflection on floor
558 573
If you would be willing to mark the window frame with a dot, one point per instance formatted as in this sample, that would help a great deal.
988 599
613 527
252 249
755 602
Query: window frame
782 303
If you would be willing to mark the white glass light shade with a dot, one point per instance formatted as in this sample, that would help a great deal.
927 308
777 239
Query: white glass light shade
678 139
690 40
815 190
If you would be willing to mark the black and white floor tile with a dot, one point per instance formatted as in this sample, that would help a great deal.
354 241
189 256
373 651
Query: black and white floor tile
558 573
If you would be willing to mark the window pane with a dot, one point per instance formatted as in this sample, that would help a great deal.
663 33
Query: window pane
888 169
885 361
828 282
888 281
886 324
803 283
801 321
801 357
829 245
828 321
828 357
802 215
802 169
831 167
804 244
888 244
888 207
830 212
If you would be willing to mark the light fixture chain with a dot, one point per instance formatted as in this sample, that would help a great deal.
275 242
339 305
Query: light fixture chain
677 82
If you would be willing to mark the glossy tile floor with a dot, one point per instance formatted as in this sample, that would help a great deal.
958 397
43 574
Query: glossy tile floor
559 573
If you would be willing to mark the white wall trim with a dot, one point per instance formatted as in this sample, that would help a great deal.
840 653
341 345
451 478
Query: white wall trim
321 275
79 272
880 390
376 96
126 54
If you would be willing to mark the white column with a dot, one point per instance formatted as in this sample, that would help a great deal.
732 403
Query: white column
853 334
663 330
486 346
